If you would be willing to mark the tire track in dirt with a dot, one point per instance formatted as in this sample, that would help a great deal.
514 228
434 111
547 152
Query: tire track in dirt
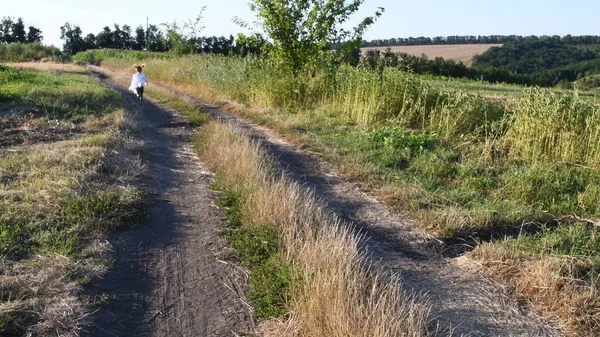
165 280
463 301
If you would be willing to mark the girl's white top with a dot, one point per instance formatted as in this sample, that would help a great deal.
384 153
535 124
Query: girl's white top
138 80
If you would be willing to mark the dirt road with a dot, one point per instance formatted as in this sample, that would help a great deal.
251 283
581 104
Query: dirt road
463 301
165 280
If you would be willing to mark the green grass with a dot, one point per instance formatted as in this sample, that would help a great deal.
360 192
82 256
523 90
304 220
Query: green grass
26 52
500 90
193 114
59 198
96 56
231 203
58 95
257 248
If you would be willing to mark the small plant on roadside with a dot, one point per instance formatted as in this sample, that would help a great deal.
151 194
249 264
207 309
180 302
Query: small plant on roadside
231 202
270 283
255 245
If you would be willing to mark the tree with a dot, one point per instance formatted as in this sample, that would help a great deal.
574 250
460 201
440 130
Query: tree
184 38
18 31
90 41
249 44
140 38
34 35
122 37
74 43
156 40
12 31
302 30
104 39
6 30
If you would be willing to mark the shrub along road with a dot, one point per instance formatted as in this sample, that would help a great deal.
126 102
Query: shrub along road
166 280
463 302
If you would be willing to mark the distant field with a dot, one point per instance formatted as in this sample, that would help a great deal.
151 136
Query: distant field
456 52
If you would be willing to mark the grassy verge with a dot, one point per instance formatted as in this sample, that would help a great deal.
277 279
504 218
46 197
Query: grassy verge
465 166
258 248
60 194
304 262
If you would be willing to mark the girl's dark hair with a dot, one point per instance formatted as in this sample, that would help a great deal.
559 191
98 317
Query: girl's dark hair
138 68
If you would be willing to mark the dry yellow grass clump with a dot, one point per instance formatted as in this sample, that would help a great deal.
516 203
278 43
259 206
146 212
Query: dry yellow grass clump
340 294
557 284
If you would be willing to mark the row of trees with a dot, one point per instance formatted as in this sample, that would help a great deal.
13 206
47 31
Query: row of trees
154 39
13 31
527 57
471 39
120 37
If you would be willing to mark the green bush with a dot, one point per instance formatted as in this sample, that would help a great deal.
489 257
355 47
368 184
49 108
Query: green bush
394 147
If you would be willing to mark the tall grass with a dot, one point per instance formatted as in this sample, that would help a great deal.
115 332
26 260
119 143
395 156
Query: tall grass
96 56
339 293
400 98
559 127
24 52
365 96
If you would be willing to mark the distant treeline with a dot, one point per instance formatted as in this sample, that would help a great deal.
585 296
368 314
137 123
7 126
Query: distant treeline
530 62
438 66
13 31
155 40
471 39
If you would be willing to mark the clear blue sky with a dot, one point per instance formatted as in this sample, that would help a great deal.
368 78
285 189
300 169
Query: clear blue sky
401 19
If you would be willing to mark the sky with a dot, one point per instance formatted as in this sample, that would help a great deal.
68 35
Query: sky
401 18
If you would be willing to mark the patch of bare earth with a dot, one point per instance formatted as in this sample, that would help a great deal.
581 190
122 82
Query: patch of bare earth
456 52
20 127
464 301
166 279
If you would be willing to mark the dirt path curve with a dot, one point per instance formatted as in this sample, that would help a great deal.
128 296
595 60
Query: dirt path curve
166 280
463 302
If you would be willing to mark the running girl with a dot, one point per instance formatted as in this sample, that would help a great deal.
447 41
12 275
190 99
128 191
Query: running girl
138 81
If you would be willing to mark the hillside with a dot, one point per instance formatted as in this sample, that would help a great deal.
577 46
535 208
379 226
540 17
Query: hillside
456 52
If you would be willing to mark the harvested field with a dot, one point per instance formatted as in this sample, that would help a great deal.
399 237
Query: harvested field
456 52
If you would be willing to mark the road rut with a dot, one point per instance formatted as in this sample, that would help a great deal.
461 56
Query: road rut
166 280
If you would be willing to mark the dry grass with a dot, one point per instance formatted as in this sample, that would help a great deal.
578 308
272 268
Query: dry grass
340 294
58 199
552 283
456 52
49 66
